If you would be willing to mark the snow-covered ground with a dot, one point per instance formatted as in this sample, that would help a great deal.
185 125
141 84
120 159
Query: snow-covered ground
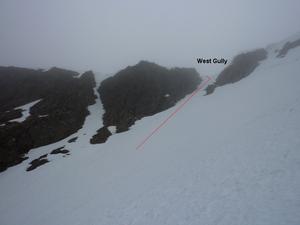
25 111
231 158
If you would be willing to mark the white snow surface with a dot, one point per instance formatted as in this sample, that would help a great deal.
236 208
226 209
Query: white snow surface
25 111
42 116
229 158
112 129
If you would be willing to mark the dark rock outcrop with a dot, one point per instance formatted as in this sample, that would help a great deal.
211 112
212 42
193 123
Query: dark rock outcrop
37 162
19 86
59 150
101 136
142 90
242 66
72 139
64 101
288 46
10 115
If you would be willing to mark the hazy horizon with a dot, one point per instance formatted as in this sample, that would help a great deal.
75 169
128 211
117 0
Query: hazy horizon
106 36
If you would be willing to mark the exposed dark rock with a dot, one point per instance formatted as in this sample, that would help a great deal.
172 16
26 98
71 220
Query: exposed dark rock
14 143
36 163
141 90
10 115
242 66
72 139
288 46
13 160
101 136
210 89
20 86
61 72
64 99
59 151
43 156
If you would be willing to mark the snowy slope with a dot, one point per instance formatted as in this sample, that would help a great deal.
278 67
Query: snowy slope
227 158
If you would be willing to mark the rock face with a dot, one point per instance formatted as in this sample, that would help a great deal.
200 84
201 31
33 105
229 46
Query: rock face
10 115
288 46
60 112
142 90
37 162
102 135
59 150
59 99
242 66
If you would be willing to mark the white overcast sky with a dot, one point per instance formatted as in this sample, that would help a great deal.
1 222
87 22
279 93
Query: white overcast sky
108 35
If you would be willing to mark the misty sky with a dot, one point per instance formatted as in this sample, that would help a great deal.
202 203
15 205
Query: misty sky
108 35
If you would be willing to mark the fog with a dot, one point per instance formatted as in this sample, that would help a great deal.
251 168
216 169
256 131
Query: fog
108 35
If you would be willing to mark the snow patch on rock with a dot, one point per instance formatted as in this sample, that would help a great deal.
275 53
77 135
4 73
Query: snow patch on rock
25 111
112 129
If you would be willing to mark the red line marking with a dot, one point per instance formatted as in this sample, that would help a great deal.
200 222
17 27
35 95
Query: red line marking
175 111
